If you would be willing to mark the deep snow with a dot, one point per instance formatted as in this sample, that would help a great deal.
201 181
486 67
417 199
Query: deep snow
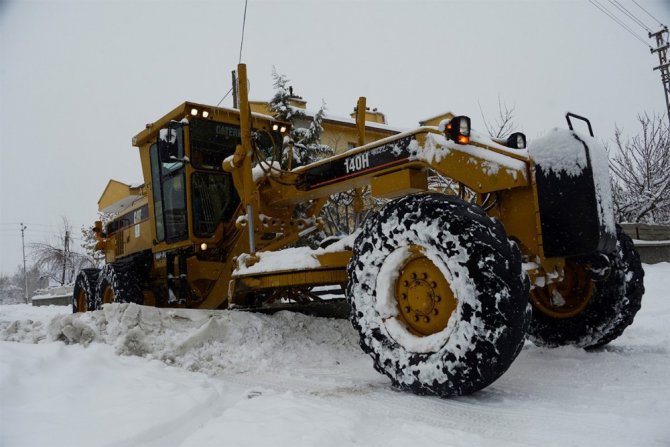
190 378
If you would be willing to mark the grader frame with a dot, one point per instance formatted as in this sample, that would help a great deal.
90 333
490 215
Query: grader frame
438 287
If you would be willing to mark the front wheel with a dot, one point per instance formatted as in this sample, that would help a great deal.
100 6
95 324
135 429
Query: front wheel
438 295
84 294
582 312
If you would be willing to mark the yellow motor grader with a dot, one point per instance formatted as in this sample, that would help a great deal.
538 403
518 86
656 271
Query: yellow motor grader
443 286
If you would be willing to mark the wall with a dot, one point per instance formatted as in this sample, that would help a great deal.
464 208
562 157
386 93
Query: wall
651 241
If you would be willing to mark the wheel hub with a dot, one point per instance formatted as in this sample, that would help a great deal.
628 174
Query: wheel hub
568 297
425 299
82 301
108 296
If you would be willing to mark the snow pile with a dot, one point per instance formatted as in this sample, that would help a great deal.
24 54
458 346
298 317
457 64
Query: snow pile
327 393
27 324
294 258
211 341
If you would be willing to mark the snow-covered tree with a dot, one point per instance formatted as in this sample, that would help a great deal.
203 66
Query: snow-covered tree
12 288
56 258
89 241
305 130
641 172
280 105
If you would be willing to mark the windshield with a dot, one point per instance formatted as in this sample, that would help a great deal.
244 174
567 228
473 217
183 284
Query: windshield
214 201
211 142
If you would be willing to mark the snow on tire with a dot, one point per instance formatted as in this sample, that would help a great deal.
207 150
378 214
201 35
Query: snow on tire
118 283
84 293
609 308
402 256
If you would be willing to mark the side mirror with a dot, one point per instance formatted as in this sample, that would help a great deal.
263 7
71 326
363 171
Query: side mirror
170 143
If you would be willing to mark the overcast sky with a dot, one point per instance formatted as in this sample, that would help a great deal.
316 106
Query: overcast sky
79 78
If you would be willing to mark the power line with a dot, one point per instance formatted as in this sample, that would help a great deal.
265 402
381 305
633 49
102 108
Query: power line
617 21
224 97
630 15
244 22
648 13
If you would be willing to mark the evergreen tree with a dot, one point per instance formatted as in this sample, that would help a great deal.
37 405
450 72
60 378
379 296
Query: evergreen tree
305 132
280 105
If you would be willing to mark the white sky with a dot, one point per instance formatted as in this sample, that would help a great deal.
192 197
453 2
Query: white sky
79 78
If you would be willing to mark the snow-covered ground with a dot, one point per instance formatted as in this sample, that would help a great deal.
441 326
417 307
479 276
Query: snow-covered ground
130 376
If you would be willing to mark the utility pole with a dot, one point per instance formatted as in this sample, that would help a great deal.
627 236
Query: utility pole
25 276
66 251
236 103
662 45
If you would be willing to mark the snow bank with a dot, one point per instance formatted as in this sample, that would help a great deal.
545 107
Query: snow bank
308 384
210 341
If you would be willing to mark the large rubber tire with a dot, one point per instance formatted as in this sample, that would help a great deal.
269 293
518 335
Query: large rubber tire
609 311
119 283
486 329
85 289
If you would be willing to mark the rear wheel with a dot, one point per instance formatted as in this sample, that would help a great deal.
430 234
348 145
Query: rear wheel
84 294
438 295
118 283
586 313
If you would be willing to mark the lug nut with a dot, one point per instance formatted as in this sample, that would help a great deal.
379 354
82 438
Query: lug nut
407 309
426 319
433 284
435 311
416 318
403 296
438 298
425 275
405 283
413 275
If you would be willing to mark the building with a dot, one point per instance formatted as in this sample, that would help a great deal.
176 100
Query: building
339 133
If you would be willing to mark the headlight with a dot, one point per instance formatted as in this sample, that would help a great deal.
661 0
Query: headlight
203 246
275 127
205 113
458 129
517 141
283 129
194 112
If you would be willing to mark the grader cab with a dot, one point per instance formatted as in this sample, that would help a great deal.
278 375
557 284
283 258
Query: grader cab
442 285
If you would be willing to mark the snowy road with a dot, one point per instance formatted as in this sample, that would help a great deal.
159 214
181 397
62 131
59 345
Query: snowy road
186 378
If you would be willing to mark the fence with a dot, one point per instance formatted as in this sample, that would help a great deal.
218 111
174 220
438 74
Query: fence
651 241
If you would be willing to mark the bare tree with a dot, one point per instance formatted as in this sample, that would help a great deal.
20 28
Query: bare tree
57 259
504 124
641 168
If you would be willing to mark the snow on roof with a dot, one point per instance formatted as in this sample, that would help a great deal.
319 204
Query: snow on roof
118 196
351 121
